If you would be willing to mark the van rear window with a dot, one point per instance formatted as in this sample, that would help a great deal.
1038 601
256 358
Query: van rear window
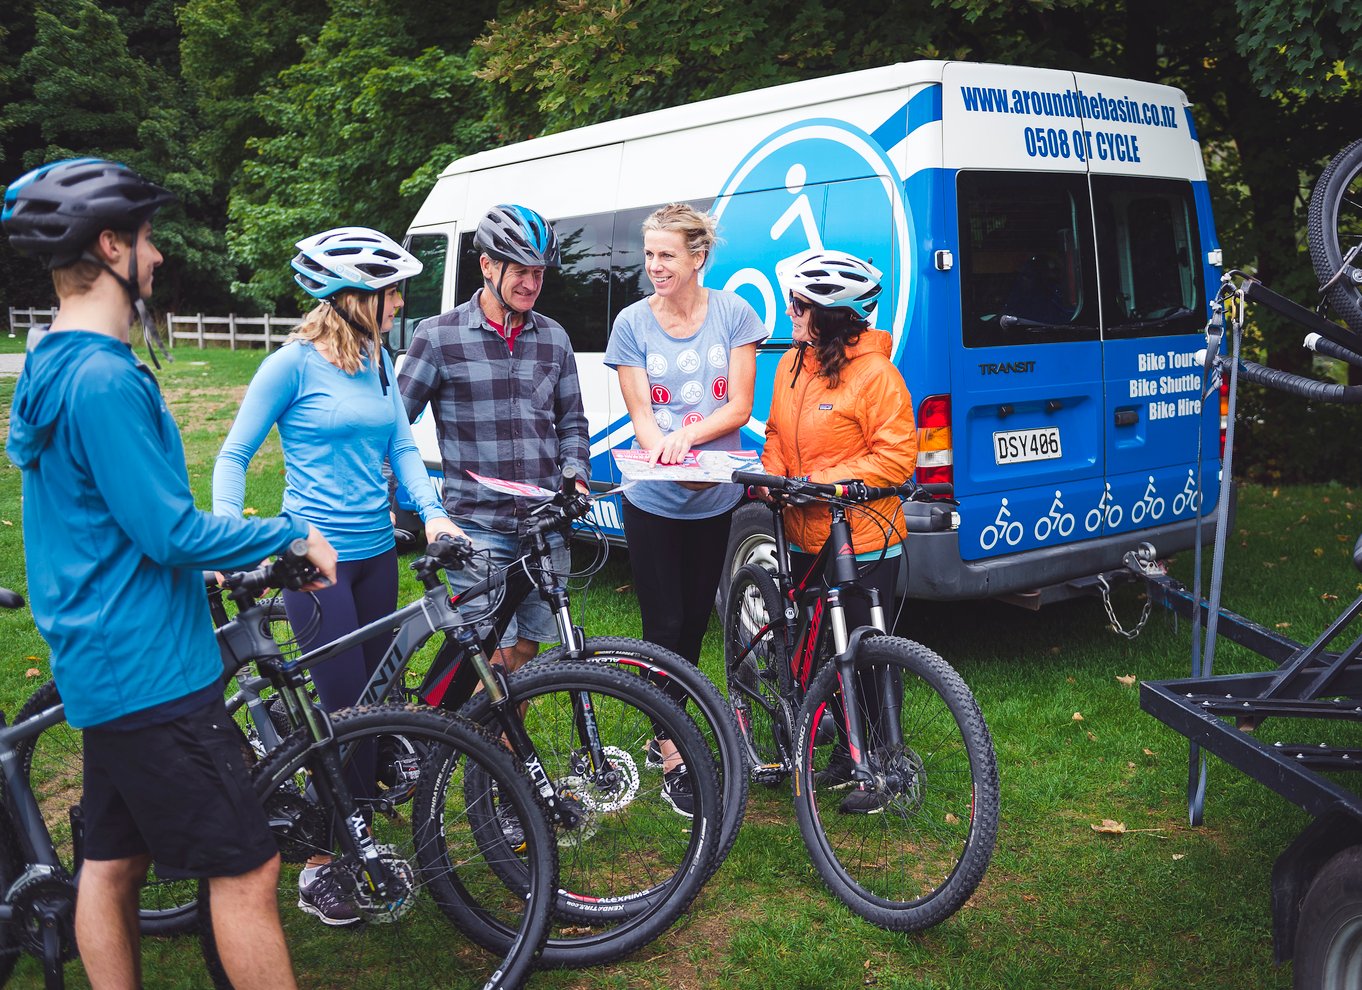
1029 272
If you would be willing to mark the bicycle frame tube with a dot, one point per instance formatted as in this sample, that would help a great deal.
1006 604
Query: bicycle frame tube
34 841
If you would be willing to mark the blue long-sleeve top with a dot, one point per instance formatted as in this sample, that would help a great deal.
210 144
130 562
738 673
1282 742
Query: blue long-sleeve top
114 545
335 428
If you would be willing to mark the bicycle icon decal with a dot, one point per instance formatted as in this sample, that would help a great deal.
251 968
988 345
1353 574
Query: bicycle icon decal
1189 497
771 205
1054 521
1149 504
1106 511
1004 528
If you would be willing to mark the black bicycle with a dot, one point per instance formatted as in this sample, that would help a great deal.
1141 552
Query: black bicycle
914 844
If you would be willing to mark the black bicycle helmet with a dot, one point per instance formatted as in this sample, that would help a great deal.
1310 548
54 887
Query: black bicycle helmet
519 235
57 210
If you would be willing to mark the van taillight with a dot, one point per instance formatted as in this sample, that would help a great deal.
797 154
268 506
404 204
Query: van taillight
1224 412
935 453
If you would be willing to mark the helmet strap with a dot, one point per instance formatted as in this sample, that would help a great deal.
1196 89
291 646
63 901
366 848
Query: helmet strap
132 286
366 338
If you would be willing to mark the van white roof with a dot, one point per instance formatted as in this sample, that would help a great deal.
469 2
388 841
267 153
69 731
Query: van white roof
724 108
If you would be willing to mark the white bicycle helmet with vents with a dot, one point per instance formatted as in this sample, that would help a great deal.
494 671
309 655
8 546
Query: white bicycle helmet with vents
832 278
351 258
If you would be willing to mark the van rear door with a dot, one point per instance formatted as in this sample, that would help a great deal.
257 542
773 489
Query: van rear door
1027 395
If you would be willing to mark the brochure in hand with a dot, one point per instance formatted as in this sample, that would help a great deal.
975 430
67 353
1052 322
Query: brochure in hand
697 465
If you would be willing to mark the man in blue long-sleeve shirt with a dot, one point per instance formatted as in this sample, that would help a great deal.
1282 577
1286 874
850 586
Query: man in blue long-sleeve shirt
115 550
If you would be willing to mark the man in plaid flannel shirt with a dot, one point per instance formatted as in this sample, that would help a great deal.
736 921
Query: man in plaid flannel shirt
502 382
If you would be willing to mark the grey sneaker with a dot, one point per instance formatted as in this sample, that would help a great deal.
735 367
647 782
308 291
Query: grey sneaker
677 792
511 828
325 898
864 802
837 774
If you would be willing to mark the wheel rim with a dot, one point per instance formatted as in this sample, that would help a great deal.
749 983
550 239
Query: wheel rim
1343 959
757 549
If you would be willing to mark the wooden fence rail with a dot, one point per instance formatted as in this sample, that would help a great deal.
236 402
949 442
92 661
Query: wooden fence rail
199 328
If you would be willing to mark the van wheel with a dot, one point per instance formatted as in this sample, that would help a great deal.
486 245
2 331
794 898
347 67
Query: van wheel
750 541
1328 952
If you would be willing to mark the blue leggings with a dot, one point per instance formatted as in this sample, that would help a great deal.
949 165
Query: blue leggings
365 590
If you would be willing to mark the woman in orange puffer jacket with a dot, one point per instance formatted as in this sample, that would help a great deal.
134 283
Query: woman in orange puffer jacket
839 411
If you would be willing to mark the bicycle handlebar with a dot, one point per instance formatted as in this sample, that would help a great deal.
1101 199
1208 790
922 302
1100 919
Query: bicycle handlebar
291 569
850 491
1294 384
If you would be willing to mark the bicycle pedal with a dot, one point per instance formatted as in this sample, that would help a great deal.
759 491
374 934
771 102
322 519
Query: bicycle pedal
769 773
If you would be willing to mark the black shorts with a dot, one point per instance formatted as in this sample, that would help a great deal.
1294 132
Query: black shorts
180 791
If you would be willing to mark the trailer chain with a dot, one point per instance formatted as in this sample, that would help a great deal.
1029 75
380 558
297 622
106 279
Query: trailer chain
1104 589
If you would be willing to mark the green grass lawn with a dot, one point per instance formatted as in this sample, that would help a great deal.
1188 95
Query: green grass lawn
1162 905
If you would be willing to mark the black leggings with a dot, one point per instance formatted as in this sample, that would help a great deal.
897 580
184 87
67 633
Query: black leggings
676 565
882 576
365 590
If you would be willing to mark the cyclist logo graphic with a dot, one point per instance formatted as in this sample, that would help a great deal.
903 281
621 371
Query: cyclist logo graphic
692 392
718 356
687 361
789 194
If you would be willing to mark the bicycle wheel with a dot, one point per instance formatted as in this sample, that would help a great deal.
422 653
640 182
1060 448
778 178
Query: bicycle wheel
912 858
1336 227
405 940
757 672
53 763
715 720
629 865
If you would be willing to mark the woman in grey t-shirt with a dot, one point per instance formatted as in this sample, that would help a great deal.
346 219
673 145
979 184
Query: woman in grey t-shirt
686 358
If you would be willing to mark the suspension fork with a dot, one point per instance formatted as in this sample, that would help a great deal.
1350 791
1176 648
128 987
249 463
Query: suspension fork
507 717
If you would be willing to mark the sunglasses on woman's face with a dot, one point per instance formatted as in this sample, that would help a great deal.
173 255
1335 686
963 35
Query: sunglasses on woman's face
798 306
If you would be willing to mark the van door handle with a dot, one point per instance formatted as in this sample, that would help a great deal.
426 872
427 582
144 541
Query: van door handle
1127 417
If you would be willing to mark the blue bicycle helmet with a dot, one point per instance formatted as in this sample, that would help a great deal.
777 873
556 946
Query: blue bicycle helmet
519 235
832 278
355 258
57 210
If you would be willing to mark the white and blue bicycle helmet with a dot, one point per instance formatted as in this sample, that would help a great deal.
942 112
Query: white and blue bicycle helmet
356 258
519 235
832 278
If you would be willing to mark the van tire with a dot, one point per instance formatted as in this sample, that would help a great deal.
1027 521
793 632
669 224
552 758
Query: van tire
751 540
1328 950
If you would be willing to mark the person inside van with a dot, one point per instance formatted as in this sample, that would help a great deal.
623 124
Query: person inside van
686 359
330 391
839 411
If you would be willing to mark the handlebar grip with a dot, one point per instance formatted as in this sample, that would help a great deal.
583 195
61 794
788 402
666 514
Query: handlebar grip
1300 385
451 551
1333 349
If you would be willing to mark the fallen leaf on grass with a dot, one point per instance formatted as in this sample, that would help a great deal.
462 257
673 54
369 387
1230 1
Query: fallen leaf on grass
1327 597
1110 827
1078 716
1127 679
1177 856
249 511
1149 752
33 672
1283 625
1091 737
6 522
623 588
951 819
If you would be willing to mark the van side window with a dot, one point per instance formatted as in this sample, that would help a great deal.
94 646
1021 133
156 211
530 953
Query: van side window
575 295
1150 256
421 294
1027 273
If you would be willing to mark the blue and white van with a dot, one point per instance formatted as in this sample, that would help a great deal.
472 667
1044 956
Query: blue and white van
1049 252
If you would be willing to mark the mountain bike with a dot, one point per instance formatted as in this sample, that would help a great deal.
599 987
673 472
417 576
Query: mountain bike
923 834
375 850
627 870
1335 234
